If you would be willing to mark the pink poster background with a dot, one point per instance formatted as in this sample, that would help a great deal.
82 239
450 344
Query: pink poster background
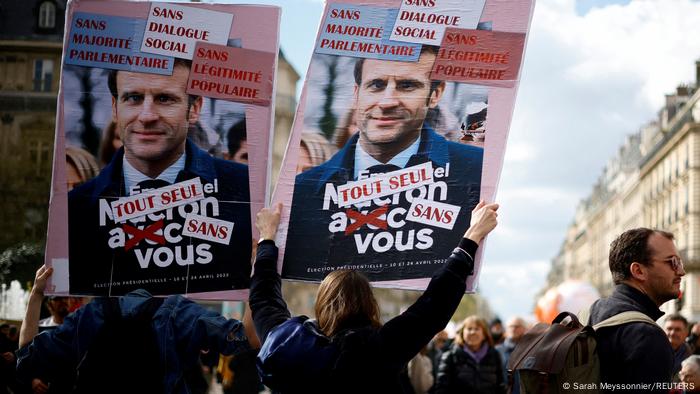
505 51
254 87
505 16
257 27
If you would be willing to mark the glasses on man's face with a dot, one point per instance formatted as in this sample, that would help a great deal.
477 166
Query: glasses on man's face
675 262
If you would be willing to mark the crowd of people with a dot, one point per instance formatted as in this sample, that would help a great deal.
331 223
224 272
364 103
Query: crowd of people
411 353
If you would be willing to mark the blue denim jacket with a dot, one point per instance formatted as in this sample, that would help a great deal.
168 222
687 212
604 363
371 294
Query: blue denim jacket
182 328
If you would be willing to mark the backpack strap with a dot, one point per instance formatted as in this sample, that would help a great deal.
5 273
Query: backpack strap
624 318
584 315
619 319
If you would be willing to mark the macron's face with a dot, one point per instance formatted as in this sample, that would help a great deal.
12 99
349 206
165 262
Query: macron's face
152 117
392 102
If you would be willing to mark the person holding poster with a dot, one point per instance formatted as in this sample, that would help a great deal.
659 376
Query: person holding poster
163 214
381 203
363 355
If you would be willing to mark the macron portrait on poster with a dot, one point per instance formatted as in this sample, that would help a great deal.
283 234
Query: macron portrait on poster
150 189
400 131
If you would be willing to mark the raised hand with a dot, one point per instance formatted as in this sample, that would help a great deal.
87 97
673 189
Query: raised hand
484 219
267 221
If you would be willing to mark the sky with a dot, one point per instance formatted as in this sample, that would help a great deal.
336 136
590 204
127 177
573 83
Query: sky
594 72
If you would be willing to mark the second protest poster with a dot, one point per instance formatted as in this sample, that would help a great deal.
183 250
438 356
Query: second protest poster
400 131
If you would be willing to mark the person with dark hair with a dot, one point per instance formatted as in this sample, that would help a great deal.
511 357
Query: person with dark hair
152 114
693 339
391 100
676 328
237 143
371 355
496 330
58 307
472 364
647 270
425 50
135 343
7 360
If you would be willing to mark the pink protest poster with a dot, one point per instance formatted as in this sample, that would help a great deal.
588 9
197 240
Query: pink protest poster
162 144
400 131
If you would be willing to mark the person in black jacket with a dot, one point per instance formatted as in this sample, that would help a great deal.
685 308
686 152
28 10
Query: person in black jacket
472 364
371 355
647 271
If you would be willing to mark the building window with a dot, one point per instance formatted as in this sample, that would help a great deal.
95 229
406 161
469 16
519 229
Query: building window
47 15
39 156
43 75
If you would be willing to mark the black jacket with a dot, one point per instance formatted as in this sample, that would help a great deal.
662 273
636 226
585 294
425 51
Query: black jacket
632 352
370 359
459 373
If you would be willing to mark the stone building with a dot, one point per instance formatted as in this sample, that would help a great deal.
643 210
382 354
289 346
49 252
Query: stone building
31 32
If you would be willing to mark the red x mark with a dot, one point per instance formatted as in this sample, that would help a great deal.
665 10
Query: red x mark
360 219
149 232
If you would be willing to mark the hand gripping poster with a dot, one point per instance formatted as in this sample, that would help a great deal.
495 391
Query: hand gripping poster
400 131
162 143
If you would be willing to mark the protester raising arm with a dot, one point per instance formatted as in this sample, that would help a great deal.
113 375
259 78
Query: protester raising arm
30 324
370 355
266 303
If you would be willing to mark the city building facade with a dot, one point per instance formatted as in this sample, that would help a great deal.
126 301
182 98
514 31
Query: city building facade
31 33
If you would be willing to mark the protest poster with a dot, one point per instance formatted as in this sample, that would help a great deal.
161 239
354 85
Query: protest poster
162 144
400 131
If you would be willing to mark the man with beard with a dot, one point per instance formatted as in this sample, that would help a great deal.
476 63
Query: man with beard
152 114
391 100
58 307
647 270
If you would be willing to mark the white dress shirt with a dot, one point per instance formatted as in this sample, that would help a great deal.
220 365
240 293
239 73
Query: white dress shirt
364 161
132 176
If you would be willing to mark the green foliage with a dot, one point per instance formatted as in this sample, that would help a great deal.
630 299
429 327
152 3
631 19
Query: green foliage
20 262
467 307
328 121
